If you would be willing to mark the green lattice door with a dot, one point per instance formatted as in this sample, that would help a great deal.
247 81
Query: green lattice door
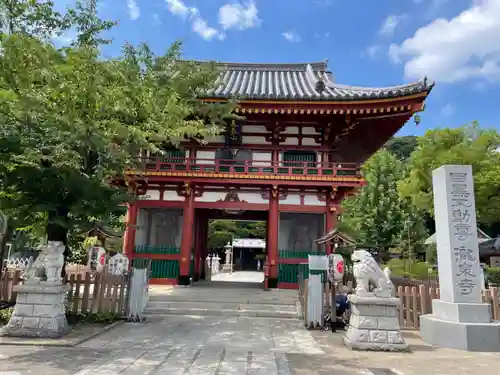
296 159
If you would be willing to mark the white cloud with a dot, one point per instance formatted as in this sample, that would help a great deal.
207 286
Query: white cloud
464 47
199 25
133 9
373 51
240 16
156 19
390 24
291 36
178 8
448 110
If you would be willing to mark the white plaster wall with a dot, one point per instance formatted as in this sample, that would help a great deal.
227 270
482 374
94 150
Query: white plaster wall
291 130
141 234
215 139
170 195
291 141
309 142
252 198
261 159
309 130
312 200
205 155
291 199
254 140
211 196
254 129
152 195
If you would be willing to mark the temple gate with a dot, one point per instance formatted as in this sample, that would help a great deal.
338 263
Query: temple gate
291 160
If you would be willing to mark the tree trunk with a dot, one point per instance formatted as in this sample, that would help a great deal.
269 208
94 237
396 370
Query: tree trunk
57 230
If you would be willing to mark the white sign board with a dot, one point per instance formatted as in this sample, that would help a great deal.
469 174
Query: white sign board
318 262
97 259
118 264
456 234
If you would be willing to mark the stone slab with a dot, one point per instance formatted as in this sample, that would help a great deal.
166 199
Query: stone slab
76 336
371 346
474 337
462 312
382 301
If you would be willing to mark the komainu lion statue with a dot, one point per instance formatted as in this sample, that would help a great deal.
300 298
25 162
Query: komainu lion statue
370 279
48 265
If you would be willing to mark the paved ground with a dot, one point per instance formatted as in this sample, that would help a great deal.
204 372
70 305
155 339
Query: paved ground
175 345
240 276
221 345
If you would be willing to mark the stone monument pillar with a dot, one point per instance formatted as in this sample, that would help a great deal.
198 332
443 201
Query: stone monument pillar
40 303
459 319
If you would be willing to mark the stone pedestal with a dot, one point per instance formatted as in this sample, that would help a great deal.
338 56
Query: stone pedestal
39 311
374 324
464 326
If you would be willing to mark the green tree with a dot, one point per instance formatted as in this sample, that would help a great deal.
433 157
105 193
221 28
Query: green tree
220 232
465 145
402 147
74 121
32 17
377 217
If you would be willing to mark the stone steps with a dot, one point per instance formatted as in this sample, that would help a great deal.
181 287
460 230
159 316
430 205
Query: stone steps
223 302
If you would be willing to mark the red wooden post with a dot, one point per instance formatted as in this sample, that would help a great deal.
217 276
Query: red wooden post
330 217
130 230
198 247
187 236
272 245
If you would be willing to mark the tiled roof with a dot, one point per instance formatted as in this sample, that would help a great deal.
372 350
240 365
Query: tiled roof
297 82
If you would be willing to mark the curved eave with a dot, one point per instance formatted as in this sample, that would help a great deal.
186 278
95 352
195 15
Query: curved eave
362 98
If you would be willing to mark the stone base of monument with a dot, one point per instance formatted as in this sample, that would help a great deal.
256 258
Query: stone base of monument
465 326
39 311
374 324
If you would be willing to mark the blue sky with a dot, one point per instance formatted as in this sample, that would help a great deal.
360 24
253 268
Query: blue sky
367 42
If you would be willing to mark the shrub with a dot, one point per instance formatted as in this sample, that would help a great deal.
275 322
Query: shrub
492 275
410 269
5 315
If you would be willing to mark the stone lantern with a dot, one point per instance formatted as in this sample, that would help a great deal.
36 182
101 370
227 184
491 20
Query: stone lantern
228 266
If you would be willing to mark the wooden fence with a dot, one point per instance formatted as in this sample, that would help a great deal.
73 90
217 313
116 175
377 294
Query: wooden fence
415 300
99 293
7 282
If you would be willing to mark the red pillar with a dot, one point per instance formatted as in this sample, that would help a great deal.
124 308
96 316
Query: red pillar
330 217
198 247
187 236
272 237
130 230
330 223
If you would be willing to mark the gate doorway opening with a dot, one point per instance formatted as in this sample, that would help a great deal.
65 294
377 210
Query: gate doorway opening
234 247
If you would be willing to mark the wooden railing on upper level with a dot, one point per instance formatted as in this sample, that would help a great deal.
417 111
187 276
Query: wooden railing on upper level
257 167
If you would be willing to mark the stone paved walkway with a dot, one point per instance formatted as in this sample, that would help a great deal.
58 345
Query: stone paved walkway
180 345
174 346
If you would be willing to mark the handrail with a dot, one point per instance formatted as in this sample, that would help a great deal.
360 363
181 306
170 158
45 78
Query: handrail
282 167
